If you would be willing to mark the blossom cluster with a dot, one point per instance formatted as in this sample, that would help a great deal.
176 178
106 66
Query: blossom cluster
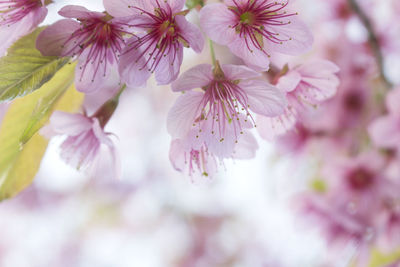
335 105
220 103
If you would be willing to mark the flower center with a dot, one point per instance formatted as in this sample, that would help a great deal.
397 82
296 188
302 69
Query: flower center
103 40
226 104
162 38
253 21
247 18
360 178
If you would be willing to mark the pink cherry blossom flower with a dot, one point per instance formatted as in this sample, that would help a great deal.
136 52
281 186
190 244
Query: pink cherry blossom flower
158 47
221 112
361 182
254 29
18 18
84 141
97 40
306 86
385 131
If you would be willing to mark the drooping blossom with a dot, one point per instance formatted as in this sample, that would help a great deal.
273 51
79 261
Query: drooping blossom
306 86
85 139
162 32
221 112
385 131
196 159
96 40
18 18
253 30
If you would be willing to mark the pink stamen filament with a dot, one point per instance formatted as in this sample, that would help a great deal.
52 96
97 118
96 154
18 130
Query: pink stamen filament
102 38
161 39
13 11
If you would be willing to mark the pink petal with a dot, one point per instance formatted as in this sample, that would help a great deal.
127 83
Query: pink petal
264 98
289 81
270 128
132 67
221 149
183 114
252 56
177 155
119 8
299 37
168 69
318 89
196 77
176 5
385 132
80 12
91 75
52 40
191 33
393 101
10 34
246 147
216 21
318 68
106 140
236 72
69 124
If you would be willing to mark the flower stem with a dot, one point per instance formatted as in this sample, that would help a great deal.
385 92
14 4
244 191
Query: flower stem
212 52
372 39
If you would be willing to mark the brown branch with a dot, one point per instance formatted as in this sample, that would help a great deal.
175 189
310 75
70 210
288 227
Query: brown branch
372 39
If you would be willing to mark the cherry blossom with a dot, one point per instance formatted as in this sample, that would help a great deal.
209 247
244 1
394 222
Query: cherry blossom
221 112
253 30
96 40
306 86
162 32
85 138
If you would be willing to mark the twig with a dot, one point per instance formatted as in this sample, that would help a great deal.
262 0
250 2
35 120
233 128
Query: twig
372 39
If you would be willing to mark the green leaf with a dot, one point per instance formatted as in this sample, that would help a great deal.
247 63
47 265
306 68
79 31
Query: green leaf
379 259
41 112
20 155
24 69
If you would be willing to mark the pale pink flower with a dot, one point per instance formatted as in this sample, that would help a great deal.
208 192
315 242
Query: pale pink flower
18 18
254 29
306 86
97 40
361 182
163 31
220 113
385 131
85 138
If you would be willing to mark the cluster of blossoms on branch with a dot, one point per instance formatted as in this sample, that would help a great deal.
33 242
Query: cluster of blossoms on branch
220 104
351 127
